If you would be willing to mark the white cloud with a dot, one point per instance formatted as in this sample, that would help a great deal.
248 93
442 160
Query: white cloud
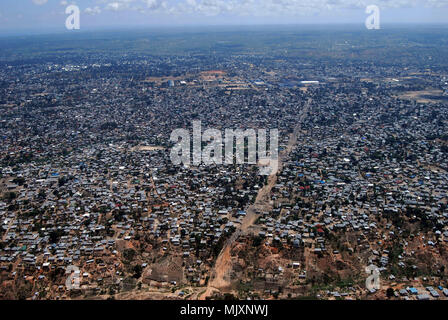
40 2
93 11
137 5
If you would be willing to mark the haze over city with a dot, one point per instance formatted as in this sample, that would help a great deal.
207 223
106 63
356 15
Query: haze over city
40 16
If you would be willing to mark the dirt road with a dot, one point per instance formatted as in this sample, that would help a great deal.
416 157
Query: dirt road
220 274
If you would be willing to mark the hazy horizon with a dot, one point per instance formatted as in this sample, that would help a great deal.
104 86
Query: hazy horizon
216 28
48 16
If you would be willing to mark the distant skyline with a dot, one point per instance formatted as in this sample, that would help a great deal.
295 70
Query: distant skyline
41 16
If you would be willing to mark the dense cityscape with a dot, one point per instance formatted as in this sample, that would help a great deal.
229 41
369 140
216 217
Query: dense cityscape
89 193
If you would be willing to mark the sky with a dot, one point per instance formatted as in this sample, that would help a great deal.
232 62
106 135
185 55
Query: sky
39 16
